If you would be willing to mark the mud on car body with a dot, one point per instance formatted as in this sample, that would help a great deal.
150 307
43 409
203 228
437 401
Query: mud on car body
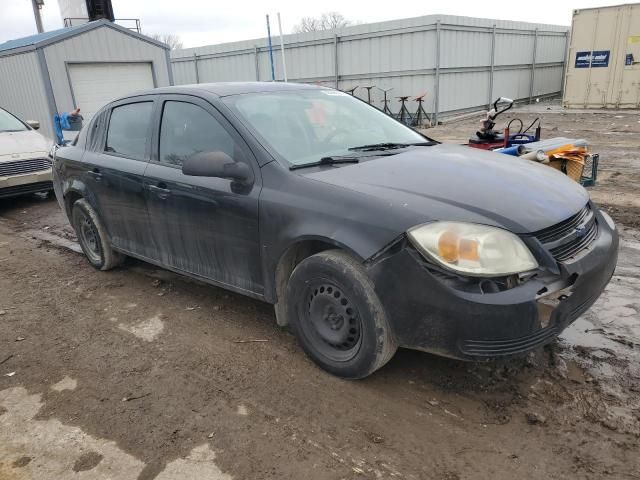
364 234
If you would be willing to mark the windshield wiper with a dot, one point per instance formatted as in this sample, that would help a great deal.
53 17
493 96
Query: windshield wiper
391 146
326 161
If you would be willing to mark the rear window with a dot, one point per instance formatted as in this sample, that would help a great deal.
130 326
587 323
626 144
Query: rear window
129 130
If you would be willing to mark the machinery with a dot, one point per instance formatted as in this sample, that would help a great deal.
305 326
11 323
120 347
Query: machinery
488 139
570 156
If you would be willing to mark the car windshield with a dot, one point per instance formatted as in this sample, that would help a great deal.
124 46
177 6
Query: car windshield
9 123
306 126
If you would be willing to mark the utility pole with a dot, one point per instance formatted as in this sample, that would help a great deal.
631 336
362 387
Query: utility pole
37 5
284 63
273 71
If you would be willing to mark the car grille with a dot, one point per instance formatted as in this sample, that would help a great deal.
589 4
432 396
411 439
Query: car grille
20 167
569 238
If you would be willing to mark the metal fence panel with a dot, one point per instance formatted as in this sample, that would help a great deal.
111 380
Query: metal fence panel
514 49
463 90
462 48
461 62
512 83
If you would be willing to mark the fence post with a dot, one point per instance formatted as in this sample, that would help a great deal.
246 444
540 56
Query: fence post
493 64
195 66
335 60
533 65
255 59
436 107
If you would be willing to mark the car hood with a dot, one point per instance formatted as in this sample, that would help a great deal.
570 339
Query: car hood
19 145
458 183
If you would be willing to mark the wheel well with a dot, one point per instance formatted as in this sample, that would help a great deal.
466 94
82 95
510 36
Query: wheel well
69 199
288 262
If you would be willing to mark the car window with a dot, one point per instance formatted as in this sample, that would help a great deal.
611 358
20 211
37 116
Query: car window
187 129
129 129
306 125
9 123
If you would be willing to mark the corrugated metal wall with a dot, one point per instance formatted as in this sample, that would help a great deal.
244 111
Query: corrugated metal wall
467 60
100 45
22 90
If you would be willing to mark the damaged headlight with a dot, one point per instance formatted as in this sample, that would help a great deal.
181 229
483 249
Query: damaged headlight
473 249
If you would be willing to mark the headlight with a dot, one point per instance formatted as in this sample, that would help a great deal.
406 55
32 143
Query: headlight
472 249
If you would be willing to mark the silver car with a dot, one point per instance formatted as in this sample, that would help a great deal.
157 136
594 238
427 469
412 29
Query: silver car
24 164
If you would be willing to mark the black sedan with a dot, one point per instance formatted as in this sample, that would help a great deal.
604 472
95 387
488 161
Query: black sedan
364 234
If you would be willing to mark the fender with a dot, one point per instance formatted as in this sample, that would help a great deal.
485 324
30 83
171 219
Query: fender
301 211
73 188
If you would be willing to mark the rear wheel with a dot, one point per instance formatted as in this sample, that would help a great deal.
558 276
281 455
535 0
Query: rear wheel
337 316
92 237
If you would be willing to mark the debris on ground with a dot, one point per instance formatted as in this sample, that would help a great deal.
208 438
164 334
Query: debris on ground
6 359
534 418
128 399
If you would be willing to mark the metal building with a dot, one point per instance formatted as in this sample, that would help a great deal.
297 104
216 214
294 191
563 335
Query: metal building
86 66
461 62
603 67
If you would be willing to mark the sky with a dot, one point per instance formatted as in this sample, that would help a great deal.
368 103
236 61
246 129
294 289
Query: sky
206 22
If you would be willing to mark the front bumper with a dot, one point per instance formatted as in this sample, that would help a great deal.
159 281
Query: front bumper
427 313
26 183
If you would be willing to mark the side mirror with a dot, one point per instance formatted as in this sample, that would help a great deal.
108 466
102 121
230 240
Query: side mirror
35 124
217 164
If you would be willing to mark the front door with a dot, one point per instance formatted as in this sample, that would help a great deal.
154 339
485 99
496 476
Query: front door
204 226
115 171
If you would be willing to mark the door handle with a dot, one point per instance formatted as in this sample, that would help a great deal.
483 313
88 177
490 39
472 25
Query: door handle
95 174
159 190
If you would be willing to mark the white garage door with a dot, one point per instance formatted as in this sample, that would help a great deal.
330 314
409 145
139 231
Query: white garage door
95 84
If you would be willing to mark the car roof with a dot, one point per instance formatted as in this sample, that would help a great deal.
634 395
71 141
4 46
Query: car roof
223 89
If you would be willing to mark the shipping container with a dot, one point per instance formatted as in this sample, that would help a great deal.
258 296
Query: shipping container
603 62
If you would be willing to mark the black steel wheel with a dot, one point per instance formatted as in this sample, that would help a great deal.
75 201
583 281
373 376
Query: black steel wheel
332 320
337 317
92 237
88 236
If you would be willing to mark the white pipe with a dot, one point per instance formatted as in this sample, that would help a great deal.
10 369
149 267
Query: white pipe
537 155
284 63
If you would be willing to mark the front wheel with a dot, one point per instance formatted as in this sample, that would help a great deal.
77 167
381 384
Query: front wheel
337 317
92 237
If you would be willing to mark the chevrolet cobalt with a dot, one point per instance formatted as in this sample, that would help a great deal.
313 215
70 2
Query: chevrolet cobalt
365 235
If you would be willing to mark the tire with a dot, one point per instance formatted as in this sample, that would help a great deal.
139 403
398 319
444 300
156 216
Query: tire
92 237
337 317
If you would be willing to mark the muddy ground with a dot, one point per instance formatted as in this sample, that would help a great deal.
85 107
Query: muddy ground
139 373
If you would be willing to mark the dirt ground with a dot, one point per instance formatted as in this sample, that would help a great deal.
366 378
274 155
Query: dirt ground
140 373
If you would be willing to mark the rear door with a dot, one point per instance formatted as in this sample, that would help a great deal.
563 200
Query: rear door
204 226
115 170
